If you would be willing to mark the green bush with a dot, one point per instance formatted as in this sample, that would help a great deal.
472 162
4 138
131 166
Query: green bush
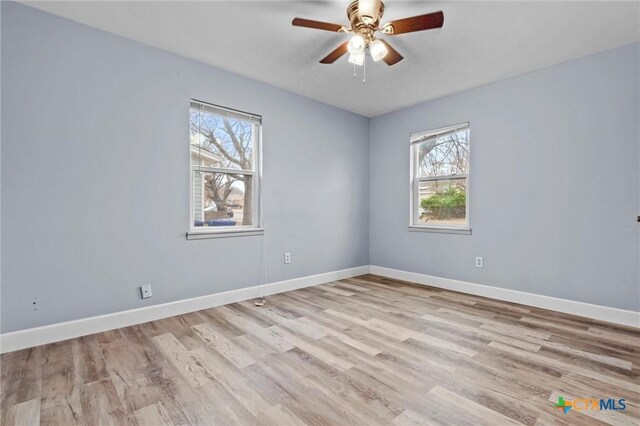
449 203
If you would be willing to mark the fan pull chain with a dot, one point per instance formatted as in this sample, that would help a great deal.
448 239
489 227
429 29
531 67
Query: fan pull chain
364 69
354 71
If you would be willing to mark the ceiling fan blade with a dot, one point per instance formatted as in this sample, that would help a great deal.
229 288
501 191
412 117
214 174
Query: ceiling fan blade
307 23
392 57
333 56
416 23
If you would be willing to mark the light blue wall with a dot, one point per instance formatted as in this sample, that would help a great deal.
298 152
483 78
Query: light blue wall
95 169
554 183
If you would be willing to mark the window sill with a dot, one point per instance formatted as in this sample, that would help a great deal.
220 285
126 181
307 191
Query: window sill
224 233
440 230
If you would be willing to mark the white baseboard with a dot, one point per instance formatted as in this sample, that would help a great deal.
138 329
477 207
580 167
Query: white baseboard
67 330
602 313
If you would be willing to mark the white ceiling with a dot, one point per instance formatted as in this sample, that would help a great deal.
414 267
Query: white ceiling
481 42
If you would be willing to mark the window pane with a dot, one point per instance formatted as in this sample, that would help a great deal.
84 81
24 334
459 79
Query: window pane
443 202
444 155
220 141
222 199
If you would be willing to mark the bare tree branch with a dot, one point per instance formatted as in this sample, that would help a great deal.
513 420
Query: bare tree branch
210 137
236 143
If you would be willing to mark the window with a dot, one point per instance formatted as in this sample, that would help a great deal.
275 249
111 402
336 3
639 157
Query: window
224 148
440 179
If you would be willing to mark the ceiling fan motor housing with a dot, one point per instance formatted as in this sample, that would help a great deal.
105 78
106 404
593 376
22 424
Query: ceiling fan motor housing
365 25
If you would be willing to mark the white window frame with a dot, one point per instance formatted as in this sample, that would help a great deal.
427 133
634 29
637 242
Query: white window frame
414 198
196 232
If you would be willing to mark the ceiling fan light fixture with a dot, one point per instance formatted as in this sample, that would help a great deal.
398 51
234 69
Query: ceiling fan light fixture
356 45
357 59
364 18
378 50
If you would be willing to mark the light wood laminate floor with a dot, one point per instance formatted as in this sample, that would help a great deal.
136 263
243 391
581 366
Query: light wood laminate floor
361 351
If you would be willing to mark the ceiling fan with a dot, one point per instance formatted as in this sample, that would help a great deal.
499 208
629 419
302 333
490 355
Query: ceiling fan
365 16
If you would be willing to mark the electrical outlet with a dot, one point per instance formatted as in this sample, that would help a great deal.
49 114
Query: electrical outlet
145 291
287 258
479 262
